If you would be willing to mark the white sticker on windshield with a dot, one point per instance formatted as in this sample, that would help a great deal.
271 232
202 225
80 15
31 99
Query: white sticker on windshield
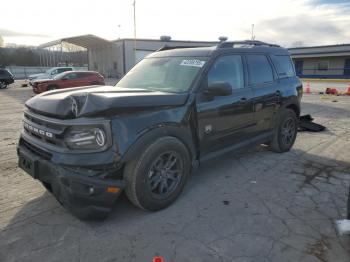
193 62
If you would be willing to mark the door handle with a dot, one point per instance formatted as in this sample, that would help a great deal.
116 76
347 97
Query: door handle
243 100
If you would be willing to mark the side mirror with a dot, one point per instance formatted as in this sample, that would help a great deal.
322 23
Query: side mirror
218 89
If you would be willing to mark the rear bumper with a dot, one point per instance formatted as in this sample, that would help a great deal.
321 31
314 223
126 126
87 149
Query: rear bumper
85 196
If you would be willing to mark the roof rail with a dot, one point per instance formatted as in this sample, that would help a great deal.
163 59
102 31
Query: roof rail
231 44
167 47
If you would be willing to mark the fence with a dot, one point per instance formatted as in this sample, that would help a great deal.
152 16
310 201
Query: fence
22 72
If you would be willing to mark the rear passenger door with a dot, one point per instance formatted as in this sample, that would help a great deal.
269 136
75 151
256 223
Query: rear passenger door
83 79
225 120
265 91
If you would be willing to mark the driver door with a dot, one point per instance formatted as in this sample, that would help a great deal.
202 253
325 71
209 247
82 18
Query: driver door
225 120
70 80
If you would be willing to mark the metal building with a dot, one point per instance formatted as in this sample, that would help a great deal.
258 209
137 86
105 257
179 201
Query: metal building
114 58
331 61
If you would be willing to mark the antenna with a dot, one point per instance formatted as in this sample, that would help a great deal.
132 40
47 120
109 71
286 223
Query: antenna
253 36
134 4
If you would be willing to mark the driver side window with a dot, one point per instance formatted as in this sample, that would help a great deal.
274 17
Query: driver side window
227 69
71 76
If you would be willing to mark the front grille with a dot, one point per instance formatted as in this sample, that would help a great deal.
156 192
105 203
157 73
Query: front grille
43 129
35 149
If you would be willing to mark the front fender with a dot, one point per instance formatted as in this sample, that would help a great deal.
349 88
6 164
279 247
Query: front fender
181 133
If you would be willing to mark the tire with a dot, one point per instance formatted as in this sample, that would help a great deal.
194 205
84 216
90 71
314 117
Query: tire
50 88
145 175
285 131
3 85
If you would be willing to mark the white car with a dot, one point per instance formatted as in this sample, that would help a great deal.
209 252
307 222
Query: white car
49 74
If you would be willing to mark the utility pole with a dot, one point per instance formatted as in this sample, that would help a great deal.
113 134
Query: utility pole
119 31
253 36
134 4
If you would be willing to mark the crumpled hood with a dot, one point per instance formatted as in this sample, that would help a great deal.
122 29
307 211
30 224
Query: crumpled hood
100 101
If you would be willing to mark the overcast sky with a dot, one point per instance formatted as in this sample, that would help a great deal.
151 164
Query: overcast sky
286 22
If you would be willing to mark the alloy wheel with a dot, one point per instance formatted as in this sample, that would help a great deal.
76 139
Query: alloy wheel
165 174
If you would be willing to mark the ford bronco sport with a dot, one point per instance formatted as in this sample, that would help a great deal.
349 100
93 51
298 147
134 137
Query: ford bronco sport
174 109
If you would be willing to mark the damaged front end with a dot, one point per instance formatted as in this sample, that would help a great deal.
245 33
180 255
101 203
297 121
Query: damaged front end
74 140
75 160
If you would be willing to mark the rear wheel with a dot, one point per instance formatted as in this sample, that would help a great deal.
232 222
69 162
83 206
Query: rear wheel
158 174
285 131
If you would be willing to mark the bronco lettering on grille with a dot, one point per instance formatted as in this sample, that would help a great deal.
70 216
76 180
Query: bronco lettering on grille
37 130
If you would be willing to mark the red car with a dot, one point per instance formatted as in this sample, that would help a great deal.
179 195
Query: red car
67 80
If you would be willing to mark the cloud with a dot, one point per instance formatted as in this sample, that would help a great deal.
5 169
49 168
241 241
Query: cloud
330 1
301 28
316 23
10 33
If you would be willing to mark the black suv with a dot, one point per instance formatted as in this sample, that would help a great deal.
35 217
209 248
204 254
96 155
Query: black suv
6 78
173 110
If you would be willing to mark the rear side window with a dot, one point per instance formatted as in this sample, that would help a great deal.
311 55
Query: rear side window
82 75
71 76
60 70
284 65
227 69
259 68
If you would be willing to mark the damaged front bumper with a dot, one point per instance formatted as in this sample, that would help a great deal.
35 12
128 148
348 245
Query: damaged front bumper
84 195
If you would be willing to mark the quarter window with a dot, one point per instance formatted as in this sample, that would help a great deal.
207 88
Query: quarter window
283 65
260 70
227 69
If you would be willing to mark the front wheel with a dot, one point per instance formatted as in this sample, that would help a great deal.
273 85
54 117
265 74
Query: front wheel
157 175
285 131
3 85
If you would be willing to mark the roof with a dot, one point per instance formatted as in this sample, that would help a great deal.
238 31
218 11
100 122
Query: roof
86 41
320 51
170 41
207 51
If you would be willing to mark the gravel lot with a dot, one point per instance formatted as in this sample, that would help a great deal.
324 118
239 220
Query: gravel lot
250 206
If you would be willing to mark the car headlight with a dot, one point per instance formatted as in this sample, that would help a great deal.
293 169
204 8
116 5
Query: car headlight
90 138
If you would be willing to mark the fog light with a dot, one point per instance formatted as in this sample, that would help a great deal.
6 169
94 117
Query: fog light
113 189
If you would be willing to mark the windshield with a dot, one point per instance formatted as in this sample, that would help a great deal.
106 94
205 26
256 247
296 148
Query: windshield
169 74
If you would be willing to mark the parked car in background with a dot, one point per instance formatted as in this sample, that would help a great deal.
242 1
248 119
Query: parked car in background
67 80
50 73
6 78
